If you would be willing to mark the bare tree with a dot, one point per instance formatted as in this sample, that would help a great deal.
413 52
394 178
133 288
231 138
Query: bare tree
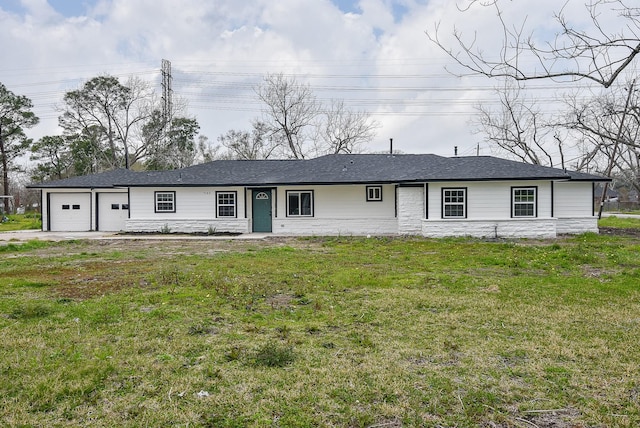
256 144
207 152
290 110
595 53
295 125
344 130
519 128
610 124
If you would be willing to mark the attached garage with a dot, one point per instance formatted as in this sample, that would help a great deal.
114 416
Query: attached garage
69 212
113 211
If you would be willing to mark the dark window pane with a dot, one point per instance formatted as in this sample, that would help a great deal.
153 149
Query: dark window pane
294 204
306 203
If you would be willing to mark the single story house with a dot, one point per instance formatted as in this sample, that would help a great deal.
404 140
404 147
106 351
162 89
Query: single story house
343 194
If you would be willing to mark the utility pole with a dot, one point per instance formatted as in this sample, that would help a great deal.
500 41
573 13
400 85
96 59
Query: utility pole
167 92
612 160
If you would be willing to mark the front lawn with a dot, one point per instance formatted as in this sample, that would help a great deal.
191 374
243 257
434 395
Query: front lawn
20 222
620 222
321 332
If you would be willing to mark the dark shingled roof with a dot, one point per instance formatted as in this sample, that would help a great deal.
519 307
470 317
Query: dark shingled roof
102 180
330 169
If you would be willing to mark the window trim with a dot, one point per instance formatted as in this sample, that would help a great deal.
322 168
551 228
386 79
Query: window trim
445 204
234 205
514 203
373 198
173 201
300 192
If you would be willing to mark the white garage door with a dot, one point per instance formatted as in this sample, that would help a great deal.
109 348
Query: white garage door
70 212
113 211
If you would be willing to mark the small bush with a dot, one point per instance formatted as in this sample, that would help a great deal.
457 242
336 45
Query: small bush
273 355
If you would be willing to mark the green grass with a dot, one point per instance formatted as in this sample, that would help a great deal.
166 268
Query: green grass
322 332
21 222
619 222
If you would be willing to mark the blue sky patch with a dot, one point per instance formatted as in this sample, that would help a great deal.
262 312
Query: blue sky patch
398 8
13 6
72 8
348 6
67 8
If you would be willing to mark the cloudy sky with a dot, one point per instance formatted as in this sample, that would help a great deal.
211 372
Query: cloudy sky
373 54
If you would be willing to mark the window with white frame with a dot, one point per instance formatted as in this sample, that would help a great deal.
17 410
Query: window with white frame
523 202
165 202
454 203
374 193
226 204
300 203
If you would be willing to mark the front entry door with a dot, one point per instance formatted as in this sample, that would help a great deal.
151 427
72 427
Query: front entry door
261 210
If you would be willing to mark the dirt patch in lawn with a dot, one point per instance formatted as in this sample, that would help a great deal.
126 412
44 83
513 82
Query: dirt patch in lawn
619 231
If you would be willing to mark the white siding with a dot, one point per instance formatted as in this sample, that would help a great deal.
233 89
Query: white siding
338 210
195 211
573 199
488 211
344 210
574 207
489 200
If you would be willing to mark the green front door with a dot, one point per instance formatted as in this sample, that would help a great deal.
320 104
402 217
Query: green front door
261 210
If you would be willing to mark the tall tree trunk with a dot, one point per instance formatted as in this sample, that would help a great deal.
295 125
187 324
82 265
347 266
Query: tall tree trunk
5 169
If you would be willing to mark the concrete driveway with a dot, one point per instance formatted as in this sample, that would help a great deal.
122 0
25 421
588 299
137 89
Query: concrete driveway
621 215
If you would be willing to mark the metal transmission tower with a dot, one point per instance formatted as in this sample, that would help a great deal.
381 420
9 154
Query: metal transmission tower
167 92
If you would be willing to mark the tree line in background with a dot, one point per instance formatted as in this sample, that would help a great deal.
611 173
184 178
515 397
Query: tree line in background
295 125
107 125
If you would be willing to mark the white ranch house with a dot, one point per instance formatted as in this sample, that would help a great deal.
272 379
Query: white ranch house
363 194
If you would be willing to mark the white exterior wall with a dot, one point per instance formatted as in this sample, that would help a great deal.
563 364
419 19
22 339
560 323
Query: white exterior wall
573 199
410 210
489 200
338 210
344 210
195 211
574 207
513 228
489 211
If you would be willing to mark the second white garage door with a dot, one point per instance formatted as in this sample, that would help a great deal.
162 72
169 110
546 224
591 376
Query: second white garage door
113 211
70 212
